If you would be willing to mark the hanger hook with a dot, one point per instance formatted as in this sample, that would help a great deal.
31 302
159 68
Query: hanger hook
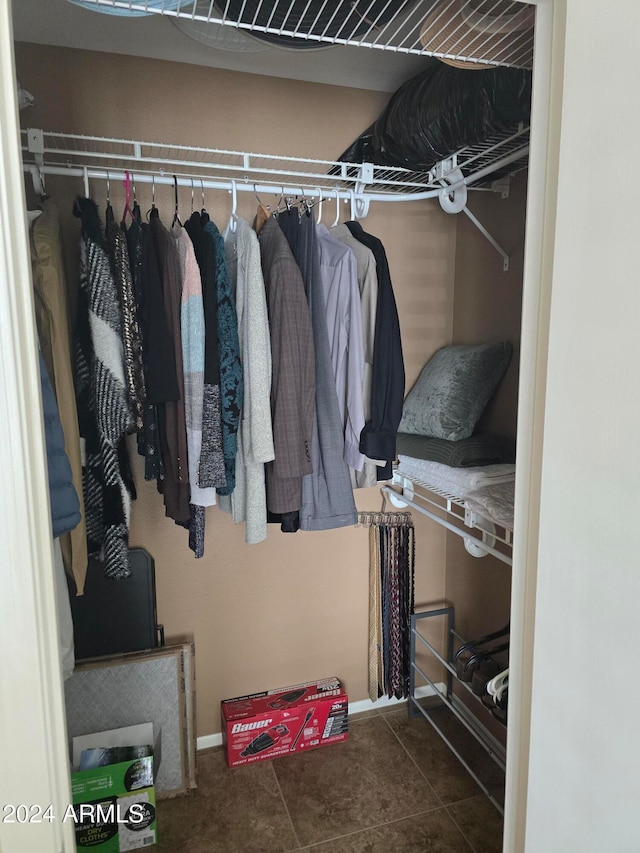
234 204
202 188
352 198
191 195
337 220
108 188
41 179
319 205
127 197
133 187
234 197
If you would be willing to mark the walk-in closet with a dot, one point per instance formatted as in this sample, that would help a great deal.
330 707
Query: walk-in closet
188 105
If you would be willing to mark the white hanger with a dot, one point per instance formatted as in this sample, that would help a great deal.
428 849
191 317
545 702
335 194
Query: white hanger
38 180
337 209
319 206
496 686
233 220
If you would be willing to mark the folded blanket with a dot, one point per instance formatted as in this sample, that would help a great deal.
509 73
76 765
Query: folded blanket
456 481
468 452
495 503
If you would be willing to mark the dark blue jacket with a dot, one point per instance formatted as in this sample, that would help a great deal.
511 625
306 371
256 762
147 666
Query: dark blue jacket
65 507
378 437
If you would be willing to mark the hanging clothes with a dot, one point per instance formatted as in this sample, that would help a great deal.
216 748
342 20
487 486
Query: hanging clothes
378 438
193 337
65 512
158 354
131 337
175 486
339 276
50 297
248 502
66 643
211 471
64 503
103 408
327 496
293 371
229 356
368 284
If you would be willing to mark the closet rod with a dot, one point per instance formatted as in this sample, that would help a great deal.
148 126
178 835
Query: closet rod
251 186
327 193
424 511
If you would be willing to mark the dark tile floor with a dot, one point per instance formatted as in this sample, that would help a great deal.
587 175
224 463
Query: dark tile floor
392 787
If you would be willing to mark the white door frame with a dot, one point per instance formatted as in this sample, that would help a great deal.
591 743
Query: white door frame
546 114
33 749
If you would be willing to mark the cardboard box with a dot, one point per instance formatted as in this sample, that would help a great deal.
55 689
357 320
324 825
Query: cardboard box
114 802
284 721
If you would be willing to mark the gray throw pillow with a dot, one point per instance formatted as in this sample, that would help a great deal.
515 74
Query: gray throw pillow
453 389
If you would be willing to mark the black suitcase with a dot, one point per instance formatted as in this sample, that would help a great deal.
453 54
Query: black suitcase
115 616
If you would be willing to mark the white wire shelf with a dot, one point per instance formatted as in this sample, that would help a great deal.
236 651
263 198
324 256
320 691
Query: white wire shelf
485 32
100 157
493 538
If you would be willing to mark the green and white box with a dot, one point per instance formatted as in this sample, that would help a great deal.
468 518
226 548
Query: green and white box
112 784
115 806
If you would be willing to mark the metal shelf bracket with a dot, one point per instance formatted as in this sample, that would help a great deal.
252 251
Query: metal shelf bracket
494 243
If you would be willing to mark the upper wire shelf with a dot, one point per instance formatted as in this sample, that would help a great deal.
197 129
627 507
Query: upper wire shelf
57 152
482 32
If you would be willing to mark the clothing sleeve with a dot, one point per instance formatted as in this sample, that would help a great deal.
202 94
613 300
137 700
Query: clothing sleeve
293 388
65 507
211 471
160 362
354 372
378 438
258 356
193 334
369 308
231 384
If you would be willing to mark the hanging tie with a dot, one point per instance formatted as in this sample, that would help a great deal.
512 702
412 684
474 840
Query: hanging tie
375 660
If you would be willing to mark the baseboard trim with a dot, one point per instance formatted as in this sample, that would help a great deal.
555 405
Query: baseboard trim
210 741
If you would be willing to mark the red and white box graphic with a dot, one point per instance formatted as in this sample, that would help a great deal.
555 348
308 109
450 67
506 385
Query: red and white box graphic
284 721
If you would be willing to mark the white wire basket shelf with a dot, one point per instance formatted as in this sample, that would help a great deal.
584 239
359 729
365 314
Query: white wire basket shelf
483 32
100 157
480 535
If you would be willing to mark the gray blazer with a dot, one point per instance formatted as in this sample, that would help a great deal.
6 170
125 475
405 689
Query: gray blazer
327 496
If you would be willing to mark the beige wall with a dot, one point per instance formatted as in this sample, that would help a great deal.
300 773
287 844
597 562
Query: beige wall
294 607
488 301
487 308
